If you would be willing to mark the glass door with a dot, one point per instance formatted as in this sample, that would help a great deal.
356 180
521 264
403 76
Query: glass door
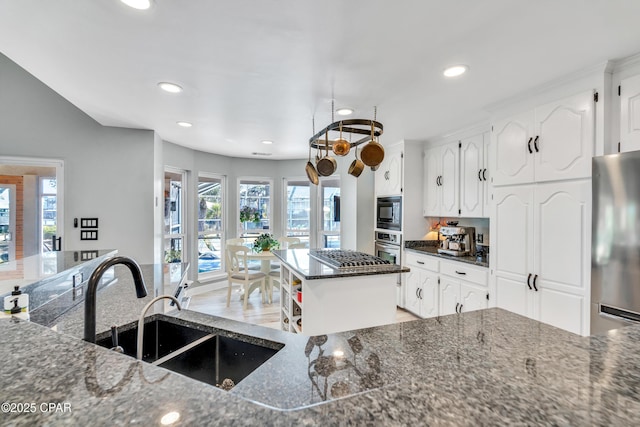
7 223
210 224
174 218
330 214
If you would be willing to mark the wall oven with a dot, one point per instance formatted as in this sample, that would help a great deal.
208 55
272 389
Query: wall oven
389 213
388 246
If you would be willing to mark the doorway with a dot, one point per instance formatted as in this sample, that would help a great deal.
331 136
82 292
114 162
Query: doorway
8 223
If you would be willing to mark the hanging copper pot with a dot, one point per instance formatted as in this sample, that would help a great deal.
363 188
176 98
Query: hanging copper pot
312 174
356 166
327 165
341 146
373 153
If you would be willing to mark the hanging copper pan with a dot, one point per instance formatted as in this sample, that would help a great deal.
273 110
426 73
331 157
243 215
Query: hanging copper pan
356 166
312 174
373 153
327 165
341 146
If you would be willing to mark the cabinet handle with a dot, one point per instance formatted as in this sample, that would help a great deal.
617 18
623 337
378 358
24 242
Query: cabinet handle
457 304
420 293
420 262
529 281
529 145
438 181
480 175
535 143
534 282
417 289
484 174
461 272
460 309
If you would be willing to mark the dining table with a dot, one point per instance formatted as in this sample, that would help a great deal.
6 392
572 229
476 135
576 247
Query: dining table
265 258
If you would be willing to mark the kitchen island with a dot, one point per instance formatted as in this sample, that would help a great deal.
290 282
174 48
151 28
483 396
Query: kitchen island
319 298
487 367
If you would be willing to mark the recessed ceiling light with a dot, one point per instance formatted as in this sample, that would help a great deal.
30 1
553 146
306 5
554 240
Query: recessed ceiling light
184 124
257 153
266 141
138 4
344 111
170 87
455 71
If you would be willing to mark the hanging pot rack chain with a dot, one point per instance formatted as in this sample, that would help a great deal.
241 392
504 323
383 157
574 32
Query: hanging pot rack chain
317 140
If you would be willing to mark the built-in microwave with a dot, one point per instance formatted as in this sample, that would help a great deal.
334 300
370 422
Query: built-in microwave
389 213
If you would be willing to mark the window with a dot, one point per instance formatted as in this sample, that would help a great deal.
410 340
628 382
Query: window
48 211
255 207
297 209
210 223
174 226
329 229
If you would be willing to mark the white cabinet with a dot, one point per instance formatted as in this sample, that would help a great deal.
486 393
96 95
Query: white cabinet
541 252
456 178
463 288
388 177
442 180
553 142
630 114
422 285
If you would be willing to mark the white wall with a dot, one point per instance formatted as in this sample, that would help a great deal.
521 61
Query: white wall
108 171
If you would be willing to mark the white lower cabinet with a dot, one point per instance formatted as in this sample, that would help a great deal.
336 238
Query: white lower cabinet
435 287
458 295
541 252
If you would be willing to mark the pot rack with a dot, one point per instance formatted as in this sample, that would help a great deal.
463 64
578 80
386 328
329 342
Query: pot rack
349 126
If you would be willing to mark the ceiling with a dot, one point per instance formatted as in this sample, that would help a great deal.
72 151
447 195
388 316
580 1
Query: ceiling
261 69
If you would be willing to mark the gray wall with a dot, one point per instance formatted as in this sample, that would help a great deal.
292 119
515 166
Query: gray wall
108 171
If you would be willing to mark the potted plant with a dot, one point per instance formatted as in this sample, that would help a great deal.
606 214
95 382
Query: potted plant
265 242
249 214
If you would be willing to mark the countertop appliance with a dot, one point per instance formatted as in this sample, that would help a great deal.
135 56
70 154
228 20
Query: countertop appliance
459 241
615 248
389 213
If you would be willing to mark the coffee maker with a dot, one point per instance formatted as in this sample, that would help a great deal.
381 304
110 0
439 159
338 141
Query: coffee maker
459 241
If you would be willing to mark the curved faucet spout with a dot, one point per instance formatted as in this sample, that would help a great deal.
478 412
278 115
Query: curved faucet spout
141 320
92 289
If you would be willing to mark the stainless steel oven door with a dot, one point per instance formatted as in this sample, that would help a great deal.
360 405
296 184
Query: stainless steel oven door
388 252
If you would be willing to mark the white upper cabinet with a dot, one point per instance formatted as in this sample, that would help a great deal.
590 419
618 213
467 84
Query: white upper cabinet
630 114
450 179
486 176
432 189
388 177
553 142
472 182
564 141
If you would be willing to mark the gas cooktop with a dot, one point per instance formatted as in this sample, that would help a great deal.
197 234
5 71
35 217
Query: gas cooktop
339 258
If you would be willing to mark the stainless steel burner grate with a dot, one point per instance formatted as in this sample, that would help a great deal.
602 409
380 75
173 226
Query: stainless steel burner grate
339 258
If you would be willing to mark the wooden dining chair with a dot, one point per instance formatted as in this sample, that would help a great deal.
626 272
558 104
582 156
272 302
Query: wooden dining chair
286 241
238 272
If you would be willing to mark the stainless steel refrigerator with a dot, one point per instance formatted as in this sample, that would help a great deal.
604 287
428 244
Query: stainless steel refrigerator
615 250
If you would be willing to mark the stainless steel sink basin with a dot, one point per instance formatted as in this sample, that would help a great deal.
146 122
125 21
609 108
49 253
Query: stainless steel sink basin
160 339
207 356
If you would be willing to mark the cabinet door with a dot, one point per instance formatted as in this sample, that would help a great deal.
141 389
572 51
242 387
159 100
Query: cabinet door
514 296
562 251
450 179
431 200
471 183
449 295
486 177
429 297
388 177
512 150
564 141
512 244
412 302
472 297
630 114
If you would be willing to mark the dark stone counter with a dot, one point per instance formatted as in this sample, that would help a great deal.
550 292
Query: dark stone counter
487 367
429 247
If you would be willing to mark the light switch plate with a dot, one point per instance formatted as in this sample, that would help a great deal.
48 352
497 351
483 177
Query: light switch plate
77 279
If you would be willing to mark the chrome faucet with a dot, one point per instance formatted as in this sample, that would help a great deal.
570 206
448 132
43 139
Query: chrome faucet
92 289
141 320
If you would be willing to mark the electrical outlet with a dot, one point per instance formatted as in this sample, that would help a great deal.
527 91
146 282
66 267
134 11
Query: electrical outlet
77 280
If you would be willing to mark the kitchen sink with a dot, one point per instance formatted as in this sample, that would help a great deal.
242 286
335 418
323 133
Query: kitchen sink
160 339
218 359
210 357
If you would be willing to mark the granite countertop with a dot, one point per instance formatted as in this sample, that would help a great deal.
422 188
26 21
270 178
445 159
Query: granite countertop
309 268
487 367
430 247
